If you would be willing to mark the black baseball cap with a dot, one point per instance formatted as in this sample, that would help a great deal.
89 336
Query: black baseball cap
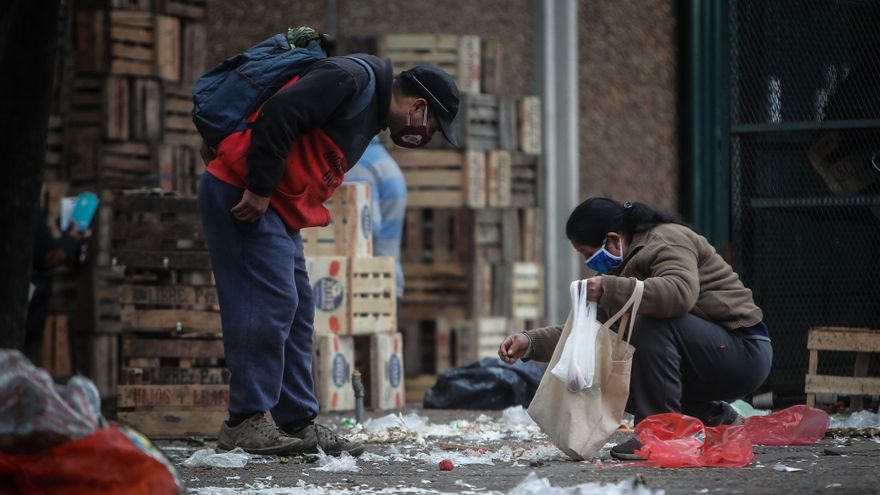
441 93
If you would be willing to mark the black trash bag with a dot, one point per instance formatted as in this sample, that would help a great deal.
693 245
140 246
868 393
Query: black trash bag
490 384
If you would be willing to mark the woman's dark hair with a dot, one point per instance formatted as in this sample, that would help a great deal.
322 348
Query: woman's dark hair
595 217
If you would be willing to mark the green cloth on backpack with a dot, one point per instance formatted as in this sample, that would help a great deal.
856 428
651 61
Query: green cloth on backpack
300 37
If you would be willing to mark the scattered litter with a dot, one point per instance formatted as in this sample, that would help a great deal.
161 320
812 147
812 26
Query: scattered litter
371 457
786 469
233 477
746 410
833 485
860 419
345 463
516 415
446 465
236 458
533 485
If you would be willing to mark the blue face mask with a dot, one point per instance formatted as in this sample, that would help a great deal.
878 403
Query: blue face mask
602 261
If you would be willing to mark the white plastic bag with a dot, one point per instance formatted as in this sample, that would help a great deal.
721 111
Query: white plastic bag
577 365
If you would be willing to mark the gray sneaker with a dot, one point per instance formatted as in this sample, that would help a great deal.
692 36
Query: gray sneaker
330 442
256 435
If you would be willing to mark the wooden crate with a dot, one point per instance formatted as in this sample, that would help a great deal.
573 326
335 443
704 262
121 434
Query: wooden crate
146 109
353 296
102 362
177 124
525 181
180 169
531 222
100 108
443 178
194 51
54 169
379 358
491 73
122 165
438 235
486 122
190 9
55 354
438 288
373 288
528 291
160 233
350 232
126 42
333 358
529 124
496 235
106 284
862 341
481 338
458 56
173 409
417 386
498 179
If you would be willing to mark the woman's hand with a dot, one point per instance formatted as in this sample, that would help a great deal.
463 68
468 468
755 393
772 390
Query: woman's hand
594 288
514 347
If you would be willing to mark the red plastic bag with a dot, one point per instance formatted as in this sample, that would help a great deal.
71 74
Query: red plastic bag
797 425
106 462
675 440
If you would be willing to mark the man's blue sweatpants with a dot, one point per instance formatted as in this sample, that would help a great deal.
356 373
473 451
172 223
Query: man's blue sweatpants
266 307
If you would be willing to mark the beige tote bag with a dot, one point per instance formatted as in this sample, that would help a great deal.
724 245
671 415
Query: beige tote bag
580 423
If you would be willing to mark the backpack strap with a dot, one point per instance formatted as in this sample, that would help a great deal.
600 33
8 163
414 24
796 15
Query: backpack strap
366 96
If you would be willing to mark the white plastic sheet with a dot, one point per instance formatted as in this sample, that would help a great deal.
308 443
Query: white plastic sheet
236 458
345 463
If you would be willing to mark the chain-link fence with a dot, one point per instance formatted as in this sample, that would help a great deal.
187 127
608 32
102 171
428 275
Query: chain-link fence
805 170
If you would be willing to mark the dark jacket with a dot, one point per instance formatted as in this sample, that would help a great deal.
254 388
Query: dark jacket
301 141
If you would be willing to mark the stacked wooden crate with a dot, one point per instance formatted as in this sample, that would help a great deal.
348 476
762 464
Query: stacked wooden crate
355 297
472 243
172 374
120 120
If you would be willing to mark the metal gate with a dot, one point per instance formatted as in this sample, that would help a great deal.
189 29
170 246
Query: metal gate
805 169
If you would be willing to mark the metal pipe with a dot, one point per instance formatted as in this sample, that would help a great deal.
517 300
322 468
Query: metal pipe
358 385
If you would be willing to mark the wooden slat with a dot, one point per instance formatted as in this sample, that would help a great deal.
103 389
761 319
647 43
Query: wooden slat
167 422
172 348
846 385
185 321
168 295
168 375
152 203
170 260
202 396
844 339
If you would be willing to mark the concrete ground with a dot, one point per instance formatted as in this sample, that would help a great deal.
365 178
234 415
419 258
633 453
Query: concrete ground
409 465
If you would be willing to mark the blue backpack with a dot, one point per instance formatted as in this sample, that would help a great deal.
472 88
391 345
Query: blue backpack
234 89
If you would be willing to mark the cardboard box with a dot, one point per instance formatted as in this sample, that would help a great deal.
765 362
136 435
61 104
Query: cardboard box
350 232
333 357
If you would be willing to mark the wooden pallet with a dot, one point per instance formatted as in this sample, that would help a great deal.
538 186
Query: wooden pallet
350 232
146 109
443 235
498 179
332 363
863 342
417 386
529 124
491 73
122 165
194 51
102 362
379 358
132 43
100 108
458 56
443 178
429 345
190 9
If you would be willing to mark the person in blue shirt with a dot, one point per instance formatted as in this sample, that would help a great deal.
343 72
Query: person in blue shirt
388 187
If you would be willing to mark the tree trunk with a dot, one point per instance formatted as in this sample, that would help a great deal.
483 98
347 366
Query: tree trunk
28 44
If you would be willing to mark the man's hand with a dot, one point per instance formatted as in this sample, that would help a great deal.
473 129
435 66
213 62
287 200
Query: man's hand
514 347
250 208
594 288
